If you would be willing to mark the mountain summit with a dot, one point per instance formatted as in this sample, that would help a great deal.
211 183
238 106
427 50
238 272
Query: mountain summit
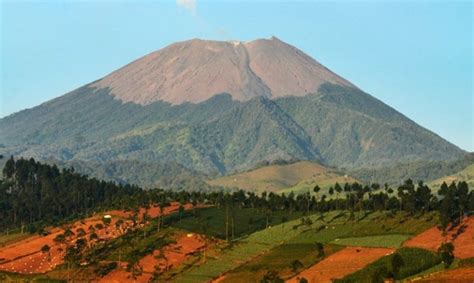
195 70
251 103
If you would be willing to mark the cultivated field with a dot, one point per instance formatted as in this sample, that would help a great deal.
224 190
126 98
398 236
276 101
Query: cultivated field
26 257
387 241
459 275
462 236
341 263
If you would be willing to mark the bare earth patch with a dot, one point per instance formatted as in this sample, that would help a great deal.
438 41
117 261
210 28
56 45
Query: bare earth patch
341 263
170 256
462 237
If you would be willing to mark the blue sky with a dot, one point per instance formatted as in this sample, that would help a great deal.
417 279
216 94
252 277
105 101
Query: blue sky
416 56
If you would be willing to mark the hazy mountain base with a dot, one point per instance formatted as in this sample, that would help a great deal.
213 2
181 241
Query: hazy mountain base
338 126
420 170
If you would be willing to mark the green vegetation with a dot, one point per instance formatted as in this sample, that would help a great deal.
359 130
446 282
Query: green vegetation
37 194
298 177
132 246
13 277
388 241
466 175
211 221
419 170
12 236
342 126
401 264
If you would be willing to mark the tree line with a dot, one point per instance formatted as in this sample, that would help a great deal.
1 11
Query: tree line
34 195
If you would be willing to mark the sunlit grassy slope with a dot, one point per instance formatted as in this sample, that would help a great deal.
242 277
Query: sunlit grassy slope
467 175
298 177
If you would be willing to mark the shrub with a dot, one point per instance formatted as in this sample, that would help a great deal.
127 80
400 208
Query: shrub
104 269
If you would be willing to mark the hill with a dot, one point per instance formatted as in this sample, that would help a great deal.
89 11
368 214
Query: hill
275 178
419 170
128 116
466 175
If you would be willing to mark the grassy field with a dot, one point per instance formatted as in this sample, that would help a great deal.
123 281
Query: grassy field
274 178
12 237
376 241
372 224
323 180
414 261
466 175
211 221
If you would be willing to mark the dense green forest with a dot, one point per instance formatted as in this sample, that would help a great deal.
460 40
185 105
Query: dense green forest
35 194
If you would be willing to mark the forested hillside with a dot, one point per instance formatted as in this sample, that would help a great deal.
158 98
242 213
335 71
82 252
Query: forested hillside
36 194
337 126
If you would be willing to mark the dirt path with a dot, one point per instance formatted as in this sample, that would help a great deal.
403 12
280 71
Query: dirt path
341 263
461 236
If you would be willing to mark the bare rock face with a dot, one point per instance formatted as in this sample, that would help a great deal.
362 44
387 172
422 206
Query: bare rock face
195 70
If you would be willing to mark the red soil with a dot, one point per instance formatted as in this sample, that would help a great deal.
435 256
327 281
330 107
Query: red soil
153 211
432 238
173 256
459 275
25 256
341 263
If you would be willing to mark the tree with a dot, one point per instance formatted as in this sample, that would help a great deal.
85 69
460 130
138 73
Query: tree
396 264
271 277
45 249
60 238
446 253
320 249
81 232
296 265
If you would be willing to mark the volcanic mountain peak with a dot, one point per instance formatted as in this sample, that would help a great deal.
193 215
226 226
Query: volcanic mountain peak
195 70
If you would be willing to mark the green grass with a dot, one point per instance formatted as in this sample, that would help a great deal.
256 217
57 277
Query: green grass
12 237
435 269
467 175
415 260
372 224
386 241
211 221
13 277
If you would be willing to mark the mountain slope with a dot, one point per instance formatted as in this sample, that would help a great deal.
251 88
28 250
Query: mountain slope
275 178
466 175
336 124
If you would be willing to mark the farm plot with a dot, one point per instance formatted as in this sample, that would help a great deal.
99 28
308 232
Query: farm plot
341 263
459 275
413 261
461 236
286 260
386 241
211 221
26 257
160 260
245 250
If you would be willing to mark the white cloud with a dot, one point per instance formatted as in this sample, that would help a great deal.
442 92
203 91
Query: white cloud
189 5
